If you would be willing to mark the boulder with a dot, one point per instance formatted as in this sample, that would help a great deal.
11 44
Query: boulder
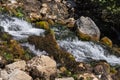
103 71
87 76
68 78
16 65
4 74
87 29
42 66
19 75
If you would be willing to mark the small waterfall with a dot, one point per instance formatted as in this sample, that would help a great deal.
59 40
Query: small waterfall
82 50
21 30
18 28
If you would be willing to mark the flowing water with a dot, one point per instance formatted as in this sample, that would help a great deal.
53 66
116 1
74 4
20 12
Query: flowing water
82 50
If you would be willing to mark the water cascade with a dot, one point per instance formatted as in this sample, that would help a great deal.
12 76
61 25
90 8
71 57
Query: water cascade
82 50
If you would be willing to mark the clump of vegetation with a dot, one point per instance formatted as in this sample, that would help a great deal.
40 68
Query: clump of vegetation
48 43
10 49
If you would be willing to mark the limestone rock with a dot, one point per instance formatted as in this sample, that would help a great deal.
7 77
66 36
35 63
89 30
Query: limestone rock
103 70
4 74
42 66
16 65
19 75
87 76
69 78
86 28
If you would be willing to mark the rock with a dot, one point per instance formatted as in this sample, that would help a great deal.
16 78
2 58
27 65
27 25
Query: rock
1 29
87 76
106 41
19 75
51 22
117 75
103 70
42 66
87 29
43 24
69 78
54 9
44 9
35 16
4 74
70 23
2 62
16 65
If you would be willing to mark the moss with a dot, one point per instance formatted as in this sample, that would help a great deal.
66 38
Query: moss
106 41
5 36
113 70
43 24
83 36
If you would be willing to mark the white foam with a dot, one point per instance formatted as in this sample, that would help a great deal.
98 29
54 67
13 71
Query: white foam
19 28
83 50
35 51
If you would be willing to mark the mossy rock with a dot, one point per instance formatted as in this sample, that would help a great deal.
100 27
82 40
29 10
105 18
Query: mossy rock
106 41
51 22
43 24
48 43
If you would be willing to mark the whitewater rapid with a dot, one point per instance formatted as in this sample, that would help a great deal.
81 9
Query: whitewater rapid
81 50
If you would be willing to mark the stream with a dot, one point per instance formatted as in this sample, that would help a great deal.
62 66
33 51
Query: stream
81 50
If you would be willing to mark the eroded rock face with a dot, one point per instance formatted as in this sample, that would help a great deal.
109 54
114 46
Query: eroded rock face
16 65
19 75
42 67
87 76
16 74
69 78
86 28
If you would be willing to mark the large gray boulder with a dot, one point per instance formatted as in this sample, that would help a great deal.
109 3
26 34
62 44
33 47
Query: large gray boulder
87 29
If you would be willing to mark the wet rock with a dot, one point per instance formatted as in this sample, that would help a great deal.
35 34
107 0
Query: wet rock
42 66
106 41
87 29
69 78
87 76
1 29
16 65
19 75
